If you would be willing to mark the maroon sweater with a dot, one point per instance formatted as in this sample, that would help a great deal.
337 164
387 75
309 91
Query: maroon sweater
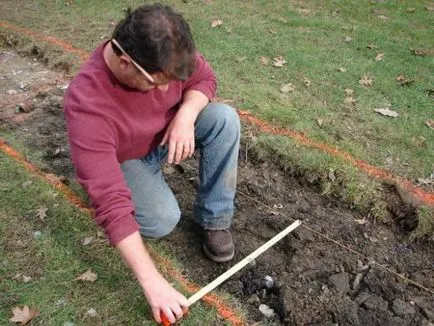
109 123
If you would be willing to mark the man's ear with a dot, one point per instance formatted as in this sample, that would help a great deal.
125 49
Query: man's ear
124 62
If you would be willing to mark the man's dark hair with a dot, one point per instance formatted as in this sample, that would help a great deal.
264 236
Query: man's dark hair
158 39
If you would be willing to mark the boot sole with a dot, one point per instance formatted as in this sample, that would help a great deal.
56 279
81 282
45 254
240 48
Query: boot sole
218 259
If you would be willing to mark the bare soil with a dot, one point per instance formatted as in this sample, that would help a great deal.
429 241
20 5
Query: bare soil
307 279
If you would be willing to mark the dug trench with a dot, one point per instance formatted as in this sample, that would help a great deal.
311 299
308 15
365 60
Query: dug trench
306 279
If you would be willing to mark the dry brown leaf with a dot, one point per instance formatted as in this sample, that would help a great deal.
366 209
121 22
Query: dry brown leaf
341 69
403 81
382 17
240 59
319 122
216 22
430 123
410 9
87 241
361 221
424 181
279 61
379 57
366 80
422 53
331 175
348 39
272 31
371 46
265 61
429 8
87 276
286 88
23 315
27 183
349 92
387 112
350 100
41 213
306 81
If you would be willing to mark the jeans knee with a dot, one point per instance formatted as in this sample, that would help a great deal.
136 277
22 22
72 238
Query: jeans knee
159 225
227 118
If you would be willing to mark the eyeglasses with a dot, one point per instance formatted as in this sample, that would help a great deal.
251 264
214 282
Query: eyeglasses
143 71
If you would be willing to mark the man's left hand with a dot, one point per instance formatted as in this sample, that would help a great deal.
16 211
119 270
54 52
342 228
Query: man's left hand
180 136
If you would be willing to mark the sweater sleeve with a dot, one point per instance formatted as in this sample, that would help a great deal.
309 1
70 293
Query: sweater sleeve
93 148
203 78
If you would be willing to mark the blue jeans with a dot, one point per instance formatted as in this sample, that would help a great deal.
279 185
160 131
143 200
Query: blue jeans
217 136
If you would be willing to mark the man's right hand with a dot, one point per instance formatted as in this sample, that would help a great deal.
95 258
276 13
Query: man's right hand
163 298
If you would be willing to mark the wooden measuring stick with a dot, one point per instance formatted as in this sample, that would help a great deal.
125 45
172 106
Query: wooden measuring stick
219 280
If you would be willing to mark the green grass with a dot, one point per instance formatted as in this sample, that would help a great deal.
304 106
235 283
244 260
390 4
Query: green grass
55 258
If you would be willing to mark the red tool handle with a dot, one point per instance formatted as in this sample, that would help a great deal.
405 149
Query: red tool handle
166 321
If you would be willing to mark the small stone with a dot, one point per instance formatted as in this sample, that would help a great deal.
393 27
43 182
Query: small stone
375 303
22 86
87 241
357 281
268 282
92 313
266 310
253 300
37 234
362 297
402 308
11 92
341 282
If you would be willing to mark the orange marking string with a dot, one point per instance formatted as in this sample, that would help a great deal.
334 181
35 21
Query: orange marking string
418 193
67 192
83 55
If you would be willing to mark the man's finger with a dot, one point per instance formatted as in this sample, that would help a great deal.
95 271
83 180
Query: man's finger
165 138
178 311
167 311
171 154
156 313
179 152
191 148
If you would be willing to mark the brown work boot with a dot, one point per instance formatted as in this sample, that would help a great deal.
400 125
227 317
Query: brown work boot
218 245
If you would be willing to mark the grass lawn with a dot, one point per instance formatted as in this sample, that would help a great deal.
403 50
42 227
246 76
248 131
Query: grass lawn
329 48
40 261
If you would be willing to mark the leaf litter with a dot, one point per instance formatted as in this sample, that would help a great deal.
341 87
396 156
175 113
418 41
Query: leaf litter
216 22
403 81
265 61
41 213
430 123
286 88
366 80
87 276
279 62
24 315
379 57
387 112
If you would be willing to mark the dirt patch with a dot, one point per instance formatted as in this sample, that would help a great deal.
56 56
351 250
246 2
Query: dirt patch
306 279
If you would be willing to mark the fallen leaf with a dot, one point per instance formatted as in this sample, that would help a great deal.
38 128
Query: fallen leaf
379 57
306 81
282 20
411 9
216 22
241 59
265 61
41 213
422 53
319 122
429 8
387 112
286 88
382 17
92 313
279 61
403 81
372 239
27 183
430 123
366 80
350 100
348 39
331 175
23 315
341 69
272 31
430 93
425 181
87 241
361 221
87 276
26 279
371 46
349 92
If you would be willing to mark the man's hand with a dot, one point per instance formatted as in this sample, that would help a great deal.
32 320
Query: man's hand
180 133
164 299
180 136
